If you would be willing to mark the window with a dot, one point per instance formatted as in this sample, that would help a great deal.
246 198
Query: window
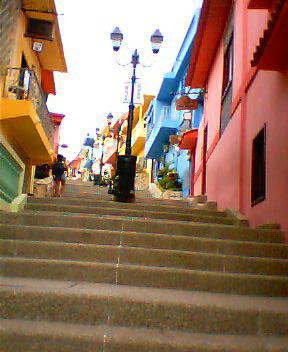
258 179
228 68
227 77
166 112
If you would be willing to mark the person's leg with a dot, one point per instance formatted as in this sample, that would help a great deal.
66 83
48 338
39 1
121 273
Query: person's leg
56 188
63 186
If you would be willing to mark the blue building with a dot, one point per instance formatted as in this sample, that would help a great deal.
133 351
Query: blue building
167 126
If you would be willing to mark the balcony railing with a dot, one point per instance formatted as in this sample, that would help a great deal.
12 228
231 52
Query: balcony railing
149 130
22 84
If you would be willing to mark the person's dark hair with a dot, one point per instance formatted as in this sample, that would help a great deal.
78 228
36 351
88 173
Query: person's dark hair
60 157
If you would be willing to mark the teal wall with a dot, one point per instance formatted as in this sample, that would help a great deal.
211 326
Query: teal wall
9 176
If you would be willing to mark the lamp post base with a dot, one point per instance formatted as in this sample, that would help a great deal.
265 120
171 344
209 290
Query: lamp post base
124 180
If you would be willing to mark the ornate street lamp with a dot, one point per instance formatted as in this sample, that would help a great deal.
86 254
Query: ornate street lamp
126 164
109 122
102 137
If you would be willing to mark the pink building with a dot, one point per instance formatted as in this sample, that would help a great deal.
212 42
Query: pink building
240 58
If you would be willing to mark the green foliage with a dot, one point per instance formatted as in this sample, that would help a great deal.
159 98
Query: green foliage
168 179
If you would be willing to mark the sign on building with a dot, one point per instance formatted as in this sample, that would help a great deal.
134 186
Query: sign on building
186 103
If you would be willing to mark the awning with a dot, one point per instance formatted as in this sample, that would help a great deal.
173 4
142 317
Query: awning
47 82
75 163
57 118
272 52
189 140
212 22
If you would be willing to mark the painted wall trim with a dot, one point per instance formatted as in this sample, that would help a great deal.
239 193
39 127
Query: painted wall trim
13 154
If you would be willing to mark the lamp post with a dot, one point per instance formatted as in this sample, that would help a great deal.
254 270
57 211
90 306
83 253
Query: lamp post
118 131
126 164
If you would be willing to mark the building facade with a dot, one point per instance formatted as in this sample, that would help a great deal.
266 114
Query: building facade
31 50
239 59
167 120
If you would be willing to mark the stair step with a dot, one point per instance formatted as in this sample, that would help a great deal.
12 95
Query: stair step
129 213
91 304
144 256
25 335
90 194
84 273
140 225
144 240
146 276
139 206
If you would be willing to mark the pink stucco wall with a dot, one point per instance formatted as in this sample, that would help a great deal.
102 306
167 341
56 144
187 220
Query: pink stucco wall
223 168
267 102
264 102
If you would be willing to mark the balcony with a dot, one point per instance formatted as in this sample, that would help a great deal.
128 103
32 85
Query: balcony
110 151
25 116
138 137
158 132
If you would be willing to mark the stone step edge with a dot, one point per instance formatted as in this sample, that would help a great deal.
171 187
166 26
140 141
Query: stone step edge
162 296
76 209
150 268
87 202
155 221
159 251
138 218
81 231
15 329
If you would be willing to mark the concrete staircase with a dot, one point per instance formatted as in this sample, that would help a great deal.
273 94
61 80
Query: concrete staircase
83 273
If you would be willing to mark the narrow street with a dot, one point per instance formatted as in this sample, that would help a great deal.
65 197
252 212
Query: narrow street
85 273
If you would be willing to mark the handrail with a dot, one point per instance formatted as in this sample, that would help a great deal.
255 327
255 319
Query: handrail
22 84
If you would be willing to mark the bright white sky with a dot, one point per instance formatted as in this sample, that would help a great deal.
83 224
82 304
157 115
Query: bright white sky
94 84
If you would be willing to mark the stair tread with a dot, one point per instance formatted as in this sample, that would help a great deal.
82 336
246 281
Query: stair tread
144 250
155 338
133 224
82 231
143 268
144 294
127 213
110 203
121 217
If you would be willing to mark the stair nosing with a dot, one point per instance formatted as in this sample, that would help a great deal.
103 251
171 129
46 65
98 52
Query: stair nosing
147 249
149 267
189 339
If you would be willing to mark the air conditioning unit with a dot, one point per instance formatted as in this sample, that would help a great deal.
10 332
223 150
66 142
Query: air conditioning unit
39 29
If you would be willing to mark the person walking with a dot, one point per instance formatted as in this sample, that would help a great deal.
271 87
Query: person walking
58 172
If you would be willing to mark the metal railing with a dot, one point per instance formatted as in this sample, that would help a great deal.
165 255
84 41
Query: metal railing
149 130
22 84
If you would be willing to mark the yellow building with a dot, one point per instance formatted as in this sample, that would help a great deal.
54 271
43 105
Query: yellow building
31 50
138 130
